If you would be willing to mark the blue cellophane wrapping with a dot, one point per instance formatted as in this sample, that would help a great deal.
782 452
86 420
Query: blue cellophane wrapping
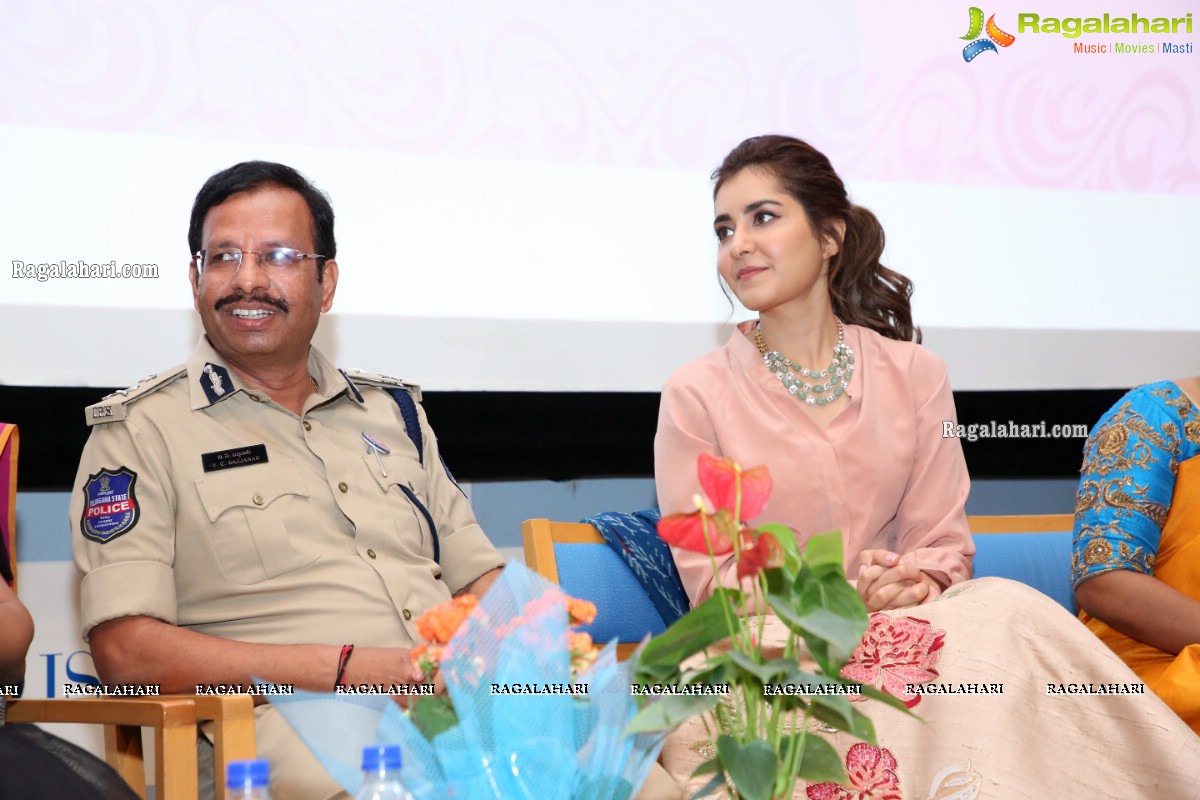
524 746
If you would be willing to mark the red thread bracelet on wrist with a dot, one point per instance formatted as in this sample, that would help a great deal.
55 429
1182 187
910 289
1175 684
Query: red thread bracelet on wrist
343 660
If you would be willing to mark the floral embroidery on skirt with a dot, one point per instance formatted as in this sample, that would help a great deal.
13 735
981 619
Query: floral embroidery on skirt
895 652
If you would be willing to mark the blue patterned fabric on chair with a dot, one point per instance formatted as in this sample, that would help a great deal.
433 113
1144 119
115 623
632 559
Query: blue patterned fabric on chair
634 538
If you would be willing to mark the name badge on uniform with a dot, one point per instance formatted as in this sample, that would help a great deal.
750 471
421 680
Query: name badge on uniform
237 457
110 507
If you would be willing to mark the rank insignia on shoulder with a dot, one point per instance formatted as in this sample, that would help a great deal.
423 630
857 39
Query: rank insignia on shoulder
357 394
110 506
216 382
114 407
378 380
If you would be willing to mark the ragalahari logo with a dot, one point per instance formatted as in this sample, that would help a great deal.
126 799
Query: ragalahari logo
995 36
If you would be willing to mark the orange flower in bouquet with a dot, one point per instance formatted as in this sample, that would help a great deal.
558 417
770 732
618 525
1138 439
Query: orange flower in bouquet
581 612
439 624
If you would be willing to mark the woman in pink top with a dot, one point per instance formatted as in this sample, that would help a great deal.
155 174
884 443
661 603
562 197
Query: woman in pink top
865 455
829 390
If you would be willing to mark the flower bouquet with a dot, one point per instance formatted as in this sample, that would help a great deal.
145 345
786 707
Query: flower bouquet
532 711
765 741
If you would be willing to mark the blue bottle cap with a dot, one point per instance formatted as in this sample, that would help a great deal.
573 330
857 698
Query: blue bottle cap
387 755
240 774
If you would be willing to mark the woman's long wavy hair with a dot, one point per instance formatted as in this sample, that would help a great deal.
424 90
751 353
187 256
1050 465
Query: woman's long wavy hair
863 291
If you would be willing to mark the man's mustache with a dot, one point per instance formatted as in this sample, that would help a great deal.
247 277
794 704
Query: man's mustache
262 299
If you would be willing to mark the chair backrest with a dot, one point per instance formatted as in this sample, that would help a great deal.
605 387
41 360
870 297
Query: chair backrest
575 556
1034 549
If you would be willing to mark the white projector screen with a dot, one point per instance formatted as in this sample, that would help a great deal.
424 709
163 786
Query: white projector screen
522 188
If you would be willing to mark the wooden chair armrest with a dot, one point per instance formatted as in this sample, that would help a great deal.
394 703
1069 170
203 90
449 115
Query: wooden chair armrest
233 731
172 718
140 711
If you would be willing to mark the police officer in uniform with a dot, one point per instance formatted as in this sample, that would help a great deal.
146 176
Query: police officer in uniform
255 511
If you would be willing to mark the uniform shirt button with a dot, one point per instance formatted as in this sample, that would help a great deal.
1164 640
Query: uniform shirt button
343 487
371 553
407 614
258 501
307 426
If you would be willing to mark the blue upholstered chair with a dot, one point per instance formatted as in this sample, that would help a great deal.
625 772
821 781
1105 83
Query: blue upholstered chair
575 556
1033 549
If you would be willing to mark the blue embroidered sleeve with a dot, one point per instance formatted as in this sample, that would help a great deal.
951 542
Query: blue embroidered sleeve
1127 481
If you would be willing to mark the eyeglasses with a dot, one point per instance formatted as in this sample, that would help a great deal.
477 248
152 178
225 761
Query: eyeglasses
282 259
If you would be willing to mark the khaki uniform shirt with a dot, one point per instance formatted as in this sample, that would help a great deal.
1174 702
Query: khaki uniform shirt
207 505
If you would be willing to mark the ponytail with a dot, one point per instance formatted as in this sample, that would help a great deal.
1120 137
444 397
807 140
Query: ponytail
865 292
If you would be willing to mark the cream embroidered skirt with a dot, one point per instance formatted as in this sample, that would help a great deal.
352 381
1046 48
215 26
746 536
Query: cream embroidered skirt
1015 699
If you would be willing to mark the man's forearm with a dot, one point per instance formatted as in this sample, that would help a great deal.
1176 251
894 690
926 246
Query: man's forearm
144 650
480 585
148 650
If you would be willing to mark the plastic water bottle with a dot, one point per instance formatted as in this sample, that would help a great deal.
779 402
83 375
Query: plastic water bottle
247 780
381 774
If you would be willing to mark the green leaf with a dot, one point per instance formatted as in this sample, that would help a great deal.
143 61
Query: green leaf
798 677
751 767
787 541
889 699
841 632
716 669
703 626
669 712
433 715
834 594
777 580
717 782
710 767
766 672
774 671
831 594
831 637
838 711
819 762
824 548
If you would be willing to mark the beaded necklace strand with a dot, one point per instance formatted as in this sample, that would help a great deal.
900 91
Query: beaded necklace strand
814 387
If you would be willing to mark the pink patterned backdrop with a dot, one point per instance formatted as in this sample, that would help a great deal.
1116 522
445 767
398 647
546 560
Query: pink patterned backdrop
881 86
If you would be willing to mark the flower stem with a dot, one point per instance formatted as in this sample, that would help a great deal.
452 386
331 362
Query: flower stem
730 623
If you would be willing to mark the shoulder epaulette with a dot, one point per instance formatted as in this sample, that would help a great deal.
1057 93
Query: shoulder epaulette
375 379
114 407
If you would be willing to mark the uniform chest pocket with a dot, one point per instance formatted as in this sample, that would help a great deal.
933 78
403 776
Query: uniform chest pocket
251 511
405 490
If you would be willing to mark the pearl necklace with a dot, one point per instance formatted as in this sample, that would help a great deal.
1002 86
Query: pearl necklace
814 387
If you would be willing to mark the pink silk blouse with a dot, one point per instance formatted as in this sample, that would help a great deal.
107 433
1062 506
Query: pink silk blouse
881 472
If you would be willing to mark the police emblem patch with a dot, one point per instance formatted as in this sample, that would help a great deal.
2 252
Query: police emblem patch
110 507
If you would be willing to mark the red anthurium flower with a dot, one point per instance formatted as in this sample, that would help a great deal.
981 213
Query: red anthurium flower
686 531
720 477
759 551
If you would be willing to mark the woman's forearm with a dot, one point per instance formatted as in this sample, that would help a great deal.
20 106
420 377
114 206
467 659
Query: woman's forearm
16 633
1142 607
